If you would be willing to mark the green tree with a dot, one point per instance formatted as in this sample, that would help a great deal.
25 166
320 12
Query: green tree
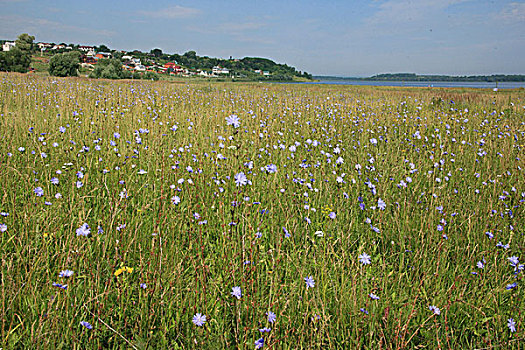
109 69
14 60
18 59
25 43
103 48
65 65
156 52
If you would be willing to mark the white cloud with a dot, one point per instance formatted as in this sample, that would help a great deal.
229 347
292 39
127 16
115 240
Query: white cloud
173 12
515 11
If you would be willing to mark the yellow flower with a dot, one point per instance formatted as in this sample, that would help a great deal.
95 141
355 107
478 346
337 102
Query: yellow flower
123 269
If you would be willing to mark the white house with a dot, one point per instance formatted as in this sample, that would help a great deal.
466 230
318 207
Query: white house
219 70
8 45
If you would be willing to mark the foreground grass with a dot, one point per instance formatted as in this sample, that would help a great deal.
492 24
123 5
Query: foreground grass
427 182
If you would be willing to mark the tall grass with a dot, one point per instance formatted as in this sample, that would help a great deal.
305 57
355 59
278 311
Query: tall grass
447 164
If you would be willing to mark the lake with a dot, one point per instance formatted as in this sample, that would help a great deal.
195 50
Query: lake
437 84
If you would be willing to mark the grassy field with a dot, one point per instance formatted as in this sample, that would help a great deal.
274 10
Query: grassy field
177 216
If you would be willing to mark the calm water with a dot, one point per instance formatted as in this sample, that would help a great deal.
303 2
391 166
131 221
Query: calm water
444 84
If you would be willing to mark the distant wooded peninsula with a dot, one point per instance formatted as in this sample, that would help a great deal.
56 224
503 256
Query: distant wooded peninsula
416 77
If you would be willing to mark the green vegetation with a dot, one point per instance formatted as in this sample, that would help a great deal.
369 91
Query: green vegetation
157 215
65 64
18 58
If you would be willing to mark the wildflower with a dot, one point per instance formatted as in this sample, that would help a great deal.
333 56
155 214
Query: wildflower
511 286
363 311
54 181
364 259
310 283
199 319
513 260
332 215
143 285
122 270
236 292
265 330
271 317
259 343
373 296
86 324
79 184
83 230
61 286
39 191
175 200
66 273
233 120
511 324
3 227
271 168
434 309
381 204
240 179
286 233
319 233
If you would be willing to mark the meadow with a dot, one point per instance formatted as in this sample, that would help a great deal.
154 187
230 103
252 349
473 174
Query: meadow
149 215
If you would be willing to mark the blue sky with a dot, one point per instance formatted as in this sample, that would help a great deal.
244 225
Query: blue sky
345 38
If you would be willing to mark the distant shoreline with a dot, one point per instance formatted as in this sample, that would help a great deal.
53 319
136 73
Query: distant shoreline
411 77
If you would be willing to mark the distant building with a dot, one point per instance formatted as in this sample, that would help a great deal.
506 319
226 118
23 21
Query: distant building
8 45
219 70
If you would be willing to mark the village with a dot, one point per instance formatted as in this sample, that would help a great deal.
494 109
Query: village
135 61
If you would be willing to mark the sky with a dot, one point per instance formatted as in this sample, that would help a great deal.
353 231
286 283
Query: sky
352 38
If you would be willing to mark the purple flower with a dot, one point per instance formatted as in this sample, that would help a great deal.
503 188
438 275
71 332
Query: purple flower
143 285
83 230
3 227
363 311
310 283
236 292
199 320
86 324
373 296
233 120
271 168
54 181
381 204
434 309
332 215
511 286
364 259
286 233
511 324
66 273
240 179
514 260
265 330
259 343
271 317
39 191
62 286
175 200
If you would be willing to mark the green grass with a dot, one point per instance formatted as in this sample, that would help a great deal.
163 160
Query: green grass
469 179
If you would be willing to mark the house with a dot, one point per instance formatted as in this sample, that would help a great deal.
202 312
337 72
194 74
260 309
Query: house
140 68
103 55
43 46
58 47
127 58
8 45
171 65
257 71
219 70
86 48
266 73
